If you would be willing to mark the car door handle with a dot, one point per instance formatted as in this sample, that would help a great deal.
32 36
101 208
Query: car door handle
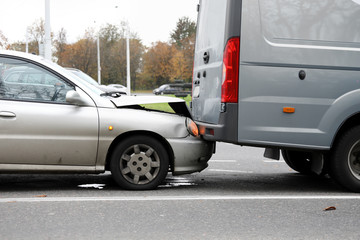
5 114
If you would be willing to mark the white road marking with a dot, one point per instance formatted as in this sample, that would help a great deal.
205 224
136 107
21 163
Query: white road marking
222 161
94 185
180 198
273 161
230 171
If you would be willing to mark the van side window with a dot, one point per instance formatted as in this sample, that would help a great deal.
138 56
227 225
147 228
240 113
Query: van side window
21 80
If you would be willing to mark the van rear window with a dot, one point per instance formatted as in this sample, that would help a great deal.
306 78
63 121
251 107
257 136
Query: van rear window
211 24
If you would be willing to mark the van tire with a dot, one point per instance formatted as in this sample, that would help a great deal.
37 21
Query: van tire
298 161
345 160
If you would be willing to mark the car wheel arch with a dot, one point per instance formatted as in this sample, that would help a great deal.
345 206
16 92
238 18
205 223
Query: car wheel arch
124 136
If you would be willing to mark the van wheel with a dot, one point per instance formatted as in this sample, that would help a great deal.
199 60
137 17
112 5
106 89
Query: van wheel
139 163
298 161
345 160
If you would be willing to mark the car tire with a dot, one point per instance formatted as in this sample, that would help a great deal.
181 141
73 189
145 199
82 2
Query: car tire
139 163
345 160
298 161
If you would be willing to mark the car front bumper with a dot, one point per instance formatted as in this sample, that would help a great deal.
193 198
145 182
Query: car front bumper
190 154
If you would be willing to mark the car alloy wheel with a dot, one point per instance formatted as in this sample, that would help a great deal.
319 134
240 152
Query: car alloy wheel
139 163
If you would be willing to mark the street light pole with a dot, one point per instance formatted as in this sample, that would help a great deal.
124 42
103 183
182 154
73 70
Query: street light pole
47 42
27 40
98 54
128 80
98 59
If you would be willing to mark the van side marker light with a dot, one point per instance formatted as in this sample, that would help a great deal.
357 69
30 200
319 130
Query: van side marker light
288 109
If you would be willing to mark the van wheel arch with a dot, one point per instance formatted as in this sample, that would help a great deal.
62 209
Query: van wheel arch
349 123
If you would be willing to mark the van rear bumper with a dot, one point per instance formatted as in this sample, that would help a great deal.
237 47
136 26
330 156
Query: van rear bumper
227 128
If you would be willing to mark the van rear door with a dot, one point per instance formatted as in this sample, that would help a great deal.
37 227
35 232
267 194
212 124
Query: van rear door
218 22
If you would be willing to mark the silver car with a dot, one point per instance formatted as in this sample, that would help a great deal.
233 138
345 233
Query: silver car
51 121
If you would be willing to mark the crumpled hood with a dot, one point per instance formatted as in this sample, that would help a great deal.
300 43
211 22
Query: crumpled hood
136 100
177 104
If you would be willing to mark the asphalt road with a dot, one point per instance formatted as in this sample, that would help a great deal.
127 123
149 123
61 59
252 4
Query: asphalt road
240 196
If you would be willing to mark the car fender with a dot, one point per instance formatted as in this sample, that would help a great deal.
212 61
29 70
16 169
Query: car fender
116 122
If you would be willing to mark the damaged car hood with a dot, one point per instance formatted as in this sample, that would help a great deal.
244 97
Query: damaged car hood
178 105
136 100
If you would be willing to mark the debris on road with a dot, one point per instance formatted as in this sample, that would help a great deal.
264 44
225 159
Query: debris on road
330 208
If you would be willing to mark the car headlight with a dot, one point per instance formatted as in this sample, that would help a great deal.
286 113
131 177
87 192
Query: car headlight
192 127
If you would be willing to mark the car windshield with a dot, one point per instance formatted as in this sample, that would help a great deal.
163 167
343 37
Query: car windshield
90 86
85 77
111 92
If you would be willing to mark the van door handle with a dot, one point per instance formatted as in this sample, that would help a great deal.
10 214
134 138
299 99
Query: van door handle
5 114
206 57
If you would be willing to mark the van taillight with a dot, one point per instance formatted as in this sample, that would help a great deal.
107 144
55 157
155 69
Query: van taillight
230 76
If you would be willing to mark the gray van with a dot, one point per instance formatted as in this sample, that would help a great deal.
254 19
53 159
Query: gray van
283 75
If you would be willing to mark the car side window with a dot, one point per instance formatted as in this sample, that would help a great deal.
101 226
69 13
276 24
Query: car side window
20 80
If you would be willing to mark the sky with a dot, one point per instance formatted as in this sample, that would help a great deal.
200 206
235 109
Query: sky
152 20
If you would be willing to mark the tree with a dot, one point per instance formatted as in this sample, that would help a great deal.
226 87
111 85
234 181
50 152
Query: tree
113 54
60 46
183 38
36 36
82 54
185 29
166 62
111 61
157 63
3 41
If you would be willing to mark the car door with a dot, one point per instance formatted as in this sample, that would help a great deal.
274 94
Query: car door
37 125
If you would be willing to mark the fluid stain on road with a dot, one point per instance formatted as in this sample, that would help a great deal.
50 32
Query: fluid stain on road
177 182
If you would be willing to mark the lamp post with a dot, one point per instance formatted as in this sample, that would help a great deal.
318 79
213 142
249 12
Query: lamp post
98 59
128 78
47 43
27 40
98 55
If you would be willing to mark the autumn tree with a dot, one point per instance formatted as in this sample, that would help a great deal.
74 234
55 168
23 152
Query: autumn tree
183 39
167 62
82 54
111 61
183 33
35 36
60 45
183 59
113 54
3 41
157 63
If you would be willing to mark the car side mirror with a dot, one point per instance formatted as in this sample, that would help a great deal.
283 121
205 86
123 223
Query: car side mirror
73 97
